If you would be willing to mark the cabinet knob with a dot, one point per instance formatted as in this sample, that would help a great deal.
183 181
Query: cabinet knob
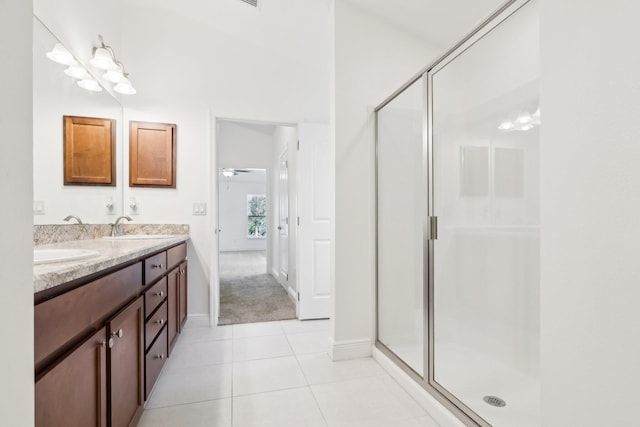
160 322
156 265
159 356
119 333
160 294
107 343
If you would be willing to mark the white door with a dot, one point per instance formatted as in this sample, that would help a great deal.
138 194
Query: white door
315 213
283 221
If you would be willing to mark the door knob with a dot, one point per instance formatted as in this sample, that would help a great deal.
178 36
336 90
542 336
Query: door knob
279 228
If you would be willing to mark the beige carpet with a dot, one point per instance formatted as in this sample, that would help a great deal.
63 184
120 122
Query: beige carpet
247 293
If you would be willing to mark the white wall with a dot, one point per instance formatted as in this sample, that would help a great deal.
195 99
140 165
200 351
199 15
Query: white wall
590 321
266 64
372 60
16 234
232 199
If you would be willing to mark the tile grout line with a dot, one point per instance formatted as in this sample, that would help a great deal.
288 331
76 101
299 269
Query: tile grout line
315 399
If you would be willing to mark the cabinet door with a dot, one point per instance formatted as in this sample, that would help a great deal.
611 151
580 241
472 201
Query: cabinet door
182 294
125 365
152 154
74 392
172 298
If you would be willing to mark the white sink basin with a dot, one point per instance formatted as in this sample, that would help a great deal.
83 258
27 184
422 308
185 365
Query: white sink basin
46 256
139 237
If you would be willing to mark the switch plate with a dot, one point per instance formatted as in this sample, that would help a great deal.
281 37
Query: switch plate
200 208
38 207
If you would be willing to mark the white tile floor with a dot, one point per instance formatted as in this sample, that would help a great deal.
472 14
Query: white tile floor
273 374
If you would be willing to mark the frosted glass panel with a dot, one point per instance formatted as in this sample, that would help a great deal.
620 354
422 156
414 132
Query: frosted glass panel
486 131
401 211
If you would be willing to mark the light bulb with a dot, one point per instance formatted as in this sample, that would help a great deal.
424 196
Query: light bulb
506 125
90 84
227 173
60 54
115 76
523 118
103 59
125 87
76 71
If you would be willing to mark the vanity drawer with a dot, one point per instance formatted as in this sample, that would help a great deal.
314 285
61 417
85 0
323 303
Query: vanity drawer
155 323
155 296
156 356
176 255
154 267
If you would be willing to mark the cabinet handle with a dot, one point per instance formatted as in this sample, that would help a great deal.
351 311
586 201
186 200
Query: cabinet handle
107 343
118 333
160 322
156 265
159 294
159 356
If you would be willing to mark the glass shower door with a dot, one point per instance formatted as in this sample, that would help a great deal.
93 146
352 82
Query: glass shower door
401 209
484 130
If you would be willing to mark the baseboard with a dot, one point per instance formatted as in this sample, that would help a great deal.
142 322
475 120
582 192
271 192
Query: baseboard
199 317
350 349
292 294
429 403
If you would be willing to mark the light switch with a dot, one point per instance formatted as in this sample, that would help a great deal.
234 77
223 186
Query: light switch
38 207
200 208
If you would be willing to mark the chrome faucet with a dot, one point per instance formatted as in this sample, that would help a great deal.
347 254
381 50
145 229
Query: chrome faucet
70 217
115 231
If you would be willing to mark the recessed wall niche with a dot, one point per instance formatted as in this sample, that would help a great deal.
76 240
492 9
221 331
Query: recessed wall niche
152 155
89 151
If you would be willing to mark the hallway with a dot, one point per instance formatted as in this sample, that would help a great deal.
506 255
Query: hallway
273 374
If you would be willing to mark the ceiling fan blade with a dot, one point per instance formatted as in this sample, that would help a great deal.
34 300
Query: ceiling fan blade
242 170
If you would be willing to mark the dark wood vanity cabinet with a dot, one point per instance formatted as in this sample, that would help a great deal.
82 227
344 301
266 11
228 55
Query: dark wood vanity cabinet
100 346
182 294
125 365
74 392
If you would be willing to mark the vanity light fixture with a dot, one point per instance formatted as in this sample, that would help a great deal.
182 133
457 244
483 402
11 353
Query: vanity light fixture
105 59
125 87
523 121
90 84
76 71
60 54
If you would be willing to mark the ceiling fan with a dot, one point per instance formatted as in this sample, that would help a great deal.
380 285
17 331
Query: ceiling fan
229 172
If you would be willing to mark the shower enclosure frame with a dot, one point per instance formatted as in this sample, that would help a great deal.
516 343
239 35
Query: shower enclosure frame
447 399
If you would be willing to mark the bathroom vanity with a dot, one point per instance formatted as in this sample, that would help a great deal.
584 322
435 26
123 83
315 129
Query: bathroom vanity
104 328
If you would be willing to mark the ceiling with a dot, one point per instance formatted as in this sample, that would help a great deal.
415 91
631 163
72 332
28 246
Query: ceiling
440 22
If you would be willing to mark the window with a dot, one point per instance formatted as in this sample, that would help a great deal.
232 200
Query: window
256 215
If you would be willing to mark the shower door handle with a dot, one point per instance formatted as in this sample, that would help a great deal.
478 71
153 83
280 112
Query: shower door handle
433 228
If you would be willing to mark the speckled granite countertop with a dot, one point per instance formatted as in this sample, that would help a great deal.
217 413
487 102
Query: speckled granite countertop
112 253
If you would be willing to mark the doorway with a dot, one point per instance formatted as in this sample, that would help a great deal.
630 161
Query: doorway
254 240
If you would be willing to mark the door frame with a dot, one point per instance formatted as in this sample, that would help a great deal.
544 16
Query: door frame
214 239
